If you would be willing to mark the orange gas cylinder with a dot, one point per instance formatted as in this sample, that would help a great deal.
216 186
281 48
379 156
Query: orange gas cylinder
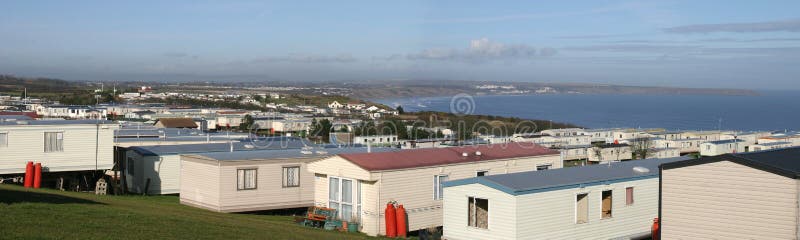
401 221
654 230
391 220
37 175
28 182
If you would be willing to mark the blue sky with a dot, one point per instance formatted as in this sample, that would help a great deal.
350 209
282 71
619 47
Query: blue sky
736 44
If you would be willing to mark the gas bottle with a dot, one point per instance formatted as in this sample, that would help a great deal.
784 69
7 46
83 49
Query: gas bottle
401 221
391 220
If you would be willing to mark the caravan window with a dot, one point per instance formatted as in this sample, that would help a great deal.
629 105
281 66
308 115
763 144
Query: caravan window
291 176
53 142
246 179
606 204
478 212
343 194
438 186
629 196
582 208
3 139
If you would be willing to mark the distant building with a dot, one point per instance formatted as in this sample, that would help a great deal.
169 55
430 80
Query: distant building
769 146
382 140
175 123
335 105
609 152
714 148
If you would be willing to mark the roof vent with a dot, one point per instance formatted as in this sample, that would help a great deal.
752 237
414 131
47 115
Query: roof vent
322 152
464 154
639 169
478 153
306 152
248 146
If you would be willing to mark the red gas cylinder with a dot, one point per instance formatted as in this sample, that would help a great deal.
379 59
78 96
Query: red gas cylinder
654 230
28 182
391 220
401 221
37 176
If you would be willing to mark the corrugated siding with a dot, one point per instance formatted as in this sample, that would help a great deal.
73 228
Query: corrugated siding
372 210
726 200
502 213
337 166
164 174
200 184
551 215
26 143
269 192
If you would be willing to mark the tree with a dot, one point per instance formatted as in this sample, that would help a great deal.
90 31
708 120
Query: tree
598 151
247 122
642 147
400 110
321 129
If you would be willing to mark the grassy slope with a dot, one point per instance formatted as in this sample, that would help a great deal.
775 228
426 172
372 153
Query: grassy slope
51 214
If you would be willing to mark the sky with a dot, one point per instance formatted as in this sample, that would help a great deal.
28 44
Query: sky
729 44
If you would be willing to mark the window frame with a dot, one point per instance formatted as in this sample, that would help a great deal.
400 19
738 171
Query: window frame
575 200
59 142
632 200
130 166
547 165
285 181
611 205
473 200
438 187
355 199
244 178
4 143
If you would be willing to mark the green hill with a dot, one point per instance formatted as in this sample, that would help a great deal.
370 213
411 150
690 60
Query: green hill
52 214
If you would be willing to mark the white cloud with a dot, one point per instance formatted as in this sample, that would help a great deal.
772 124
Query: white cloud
483 49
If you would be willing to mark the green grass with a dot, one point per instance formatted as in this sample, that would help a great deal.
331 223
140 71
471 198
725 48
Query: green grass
52 214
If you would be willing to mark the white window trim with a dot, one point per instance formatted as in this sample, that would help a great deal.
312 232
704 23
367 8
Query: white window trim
575 207
488 214
6 140
601 203
62 141
436 185
355 191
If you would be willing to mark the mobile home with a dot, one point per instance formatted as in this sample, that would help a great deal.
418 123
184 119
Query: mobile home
361 184
156 169
714 148
615 201
60 145
732 196
252 180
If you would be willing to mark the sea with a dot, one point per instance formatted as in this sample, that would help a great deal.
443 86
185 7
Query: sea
769 111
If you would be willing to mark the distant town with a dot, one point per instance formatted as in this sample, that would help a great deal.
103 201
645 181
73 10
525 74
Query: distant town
341 159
